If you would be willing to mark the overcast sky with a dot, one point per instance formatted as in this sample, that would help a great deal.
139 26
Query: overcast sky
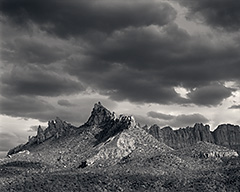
172 62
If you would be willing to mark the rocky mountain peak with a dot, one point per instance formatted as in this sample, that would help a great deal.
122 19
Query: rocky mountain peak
100 115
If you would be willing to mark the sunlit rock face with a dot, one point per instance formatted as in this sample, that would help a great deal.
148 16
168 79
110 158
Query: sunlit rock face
114 149
119 143
131 140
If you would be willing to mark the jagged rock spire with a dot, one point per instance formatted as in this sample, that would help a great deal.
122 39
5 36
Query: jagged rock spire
100 115
40 135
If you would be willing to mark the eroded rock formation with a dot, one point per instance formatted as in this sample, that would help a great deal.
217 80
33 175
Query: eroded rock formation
225 135
55 129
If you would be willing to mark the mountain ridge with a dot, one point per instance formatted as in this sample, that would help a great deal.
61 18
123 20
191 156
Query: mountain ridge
105 124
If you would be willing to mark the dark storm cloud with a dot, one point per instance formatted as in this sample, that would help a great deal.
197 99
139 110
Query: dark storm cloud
28 50
218 13
171 53
33 80
65 103
210 95
178 120
157 115
126 50
30 107
121 83
22 106
145 64
234 107
78 16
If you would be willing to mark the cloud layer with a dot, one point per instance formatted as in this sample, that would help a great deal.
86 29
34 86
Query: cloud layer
77 17
217 13
132 51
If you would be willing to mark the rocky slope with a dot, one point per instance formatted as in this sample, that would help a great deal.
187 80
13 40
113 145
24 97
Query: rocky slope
55 129
207 150
225 135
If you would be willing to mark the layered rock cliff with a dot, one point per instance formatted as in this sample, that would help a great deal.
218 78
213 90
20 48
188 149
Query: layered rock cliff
225 135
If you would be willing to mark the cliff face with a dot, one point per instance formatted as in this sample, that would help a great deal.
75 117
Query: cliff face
225 135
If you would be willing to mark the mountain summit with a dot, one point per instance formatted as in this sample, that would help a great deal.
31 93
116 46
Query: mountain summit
100 116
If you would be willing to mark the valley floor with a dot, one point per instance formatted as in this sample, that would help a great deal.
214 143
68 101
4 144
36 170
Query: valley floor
35 176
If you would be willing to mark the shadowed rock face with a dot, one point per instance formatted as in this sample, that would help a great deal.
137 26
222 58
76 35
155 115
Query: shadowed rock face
225 135
107 123
182 137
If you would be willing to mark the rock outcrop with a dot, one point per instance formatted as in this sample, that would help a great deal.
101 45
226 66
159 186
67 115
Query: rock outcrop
40 135
182 137
55 129
100 116
130 139
225 135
